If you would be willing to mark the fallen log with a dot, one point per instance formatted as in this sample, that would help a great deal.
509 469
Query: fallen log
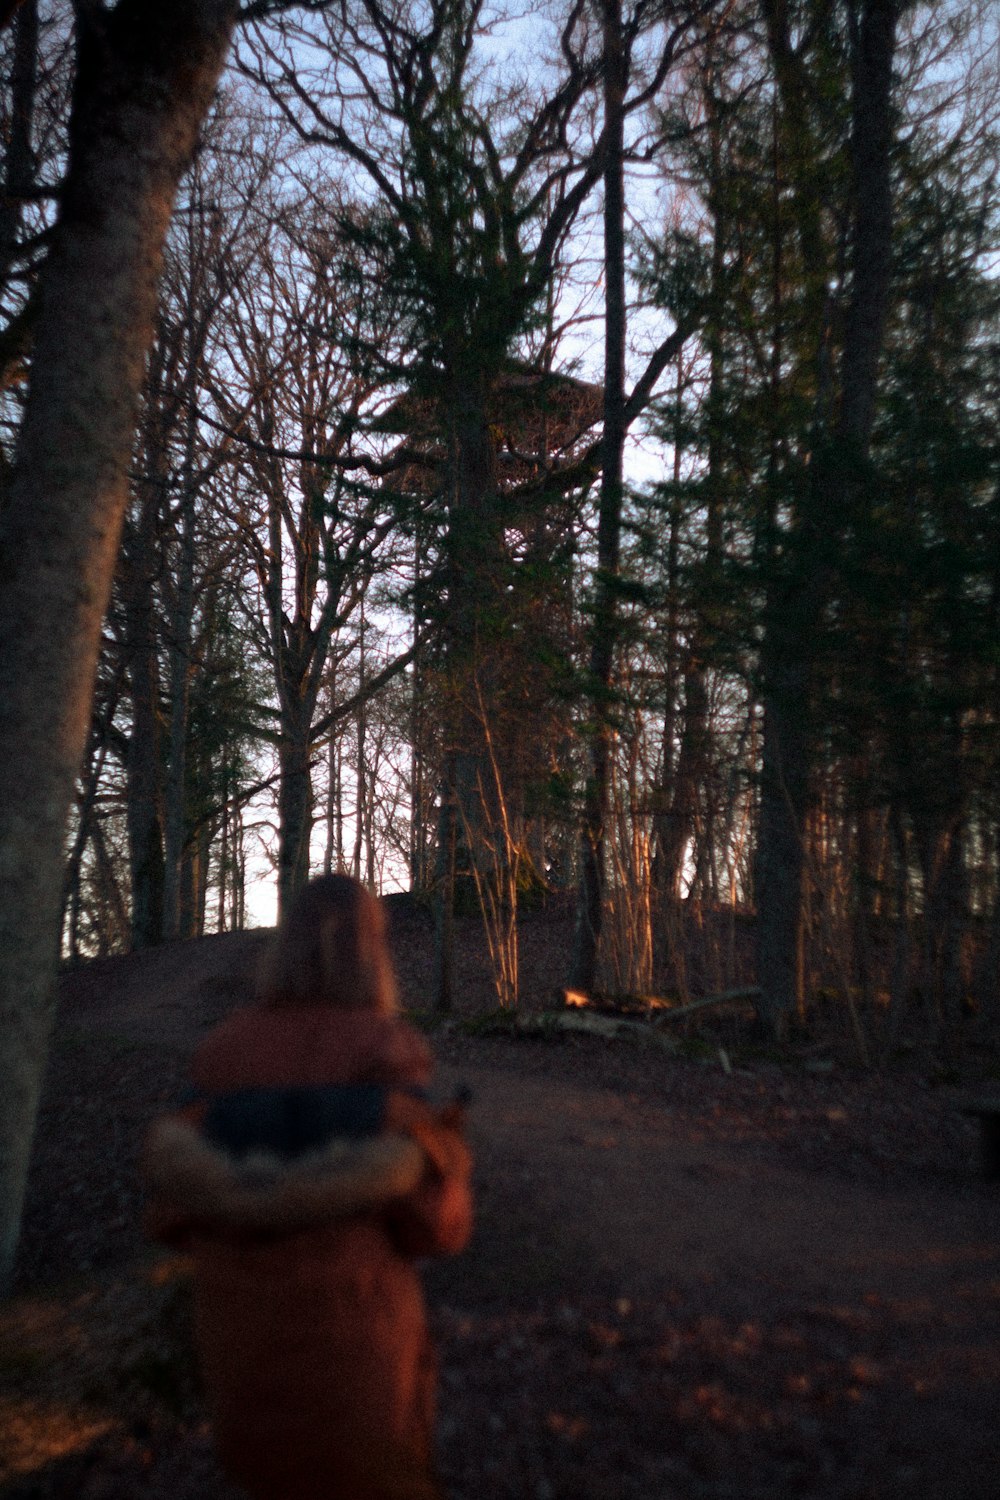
660 1011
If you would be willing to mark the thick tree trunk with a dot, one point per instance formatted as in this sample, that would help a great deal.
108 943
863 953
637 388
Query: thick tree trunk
872 52
780 864
835 483
473 626
677 824
666 859
145 80
295 813
590 903
190 880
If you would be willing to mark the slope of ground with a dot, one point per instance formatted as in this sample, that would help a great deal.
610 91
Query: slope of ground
685 1281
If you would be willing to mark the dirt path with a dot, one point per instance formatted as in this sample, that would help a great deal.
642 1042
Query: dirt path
802 1308
610 1200
682 1284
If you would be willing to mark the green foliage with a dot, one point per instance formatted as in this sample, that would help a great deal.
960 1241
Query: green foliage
445 250
918 618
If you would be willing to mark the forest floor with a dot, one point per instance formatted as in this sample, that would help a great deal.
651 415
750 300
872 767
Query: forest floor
736 1275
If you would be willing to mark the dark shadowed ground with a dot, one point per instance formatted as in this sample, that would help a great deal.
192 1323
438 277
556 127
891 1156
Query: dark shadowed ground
780 1280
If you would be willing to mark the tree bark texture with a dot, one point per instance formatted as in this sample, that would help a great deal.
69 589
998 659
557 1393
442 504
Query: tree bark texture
144 82
871 247
677 824
590 905
779 869
295 810
472 625
444 904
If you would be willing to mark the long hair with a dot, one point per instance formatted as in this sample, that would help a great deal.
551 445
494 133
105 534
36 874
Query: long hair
331 949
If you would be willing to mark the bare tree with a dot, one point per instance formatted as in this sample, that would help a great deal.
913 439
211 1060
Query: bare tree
297 392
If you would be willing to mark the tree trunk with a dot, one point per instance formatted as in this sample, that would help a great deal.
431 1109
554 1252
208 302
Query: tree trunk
666 860
295 813
239 921
872 51
475 611
677 824
187 914
419 875
833 487
224 853
144 82
590 903
112 913
360 730
444 894
333 850
144 799
179 673
780 864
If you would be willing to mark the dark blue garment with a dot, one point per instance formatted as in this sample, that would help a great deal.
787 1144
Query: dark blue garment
292 1121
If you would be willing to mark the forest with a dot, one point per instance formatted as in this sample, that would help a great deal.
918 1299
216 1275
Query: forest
525 457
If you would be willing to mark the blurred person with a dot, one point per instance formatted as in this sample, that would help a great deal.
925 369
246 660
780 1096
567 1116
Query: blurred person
305 1178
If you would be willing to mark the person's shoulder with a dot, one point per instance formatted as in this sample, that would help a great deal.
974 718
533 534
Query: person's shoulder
238 1034
310 1045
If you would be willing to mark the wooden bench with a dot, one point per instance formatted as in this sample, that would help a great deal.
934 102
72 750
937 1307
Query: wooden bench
987 1111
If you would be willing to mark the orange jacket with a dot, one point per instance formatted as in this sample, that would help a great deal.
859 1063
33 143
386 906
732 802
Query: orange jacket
309 1314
